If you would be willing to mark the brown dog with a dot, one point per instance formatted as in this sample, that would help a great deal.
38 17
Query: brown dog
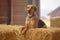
31 19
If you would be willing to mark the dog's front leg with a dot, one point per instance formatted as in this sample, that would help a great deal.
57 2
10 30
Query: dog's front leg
24 30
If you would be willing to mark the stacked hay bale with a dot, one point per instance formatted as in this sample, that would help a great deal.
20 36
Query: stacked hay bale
55 22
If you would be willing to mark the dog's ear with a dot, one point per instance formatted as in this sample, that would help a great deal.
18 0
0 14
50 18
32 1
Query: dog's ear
25 8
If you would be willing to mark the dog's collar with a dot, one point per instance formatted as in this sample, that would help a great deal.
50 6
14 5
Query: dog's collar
31 16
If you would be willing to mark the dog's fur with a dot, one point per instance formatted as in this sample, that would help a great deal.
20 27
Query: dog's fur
32 21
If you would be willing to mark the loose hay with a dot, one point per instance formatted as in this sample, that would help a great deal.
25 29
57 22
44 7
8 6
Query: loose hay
13 32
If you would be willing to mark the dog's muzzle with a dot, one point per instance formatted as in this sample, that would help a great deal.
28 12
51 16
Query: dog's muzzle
29 11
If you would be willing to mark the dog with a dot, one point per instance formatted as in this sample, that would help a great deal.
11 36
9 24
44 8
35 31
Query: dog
32 21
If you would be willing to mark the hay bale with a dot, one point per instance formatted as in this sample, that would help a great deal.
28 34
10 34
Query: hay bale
43 34
11 32
56 34
55 22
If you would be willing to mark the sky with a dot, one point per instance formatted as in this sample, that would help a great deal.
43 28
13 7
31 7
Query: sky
46 6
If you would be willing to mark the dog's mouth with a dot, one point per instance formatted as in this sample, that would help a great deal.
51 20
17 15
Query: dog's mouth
29 11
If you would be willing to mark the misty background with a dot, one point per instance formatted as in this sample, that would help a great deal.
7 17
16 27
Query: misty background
46 6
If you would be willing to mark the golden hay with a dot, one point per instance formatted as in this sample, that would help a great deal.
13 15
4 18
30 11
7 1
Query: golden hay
55 22
43 34
8 32
13 32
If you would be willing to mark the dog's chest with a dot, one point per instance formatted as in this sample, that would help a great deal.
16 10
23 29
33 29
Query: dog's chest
30 20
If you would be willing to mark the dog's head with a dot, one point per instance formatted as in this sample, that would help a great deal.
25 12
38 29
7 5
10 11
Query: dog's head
31 8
